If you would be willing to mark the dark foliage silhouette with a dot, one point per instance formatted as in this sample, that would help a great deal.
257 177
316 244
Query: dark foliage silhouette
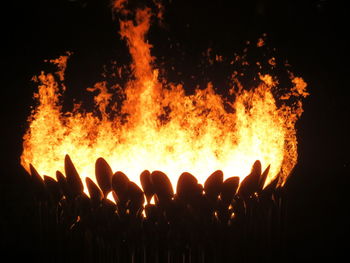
226 220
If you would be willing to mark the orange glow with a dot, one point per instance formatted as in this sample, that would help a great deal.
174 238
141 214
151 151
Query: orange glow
197 134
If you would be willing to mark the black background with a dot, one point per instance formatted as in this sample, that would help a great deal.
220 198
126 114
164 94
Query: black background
311 35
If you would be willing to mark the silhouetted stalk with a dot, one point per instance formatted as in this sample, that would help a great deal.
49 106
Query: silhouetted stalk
194 225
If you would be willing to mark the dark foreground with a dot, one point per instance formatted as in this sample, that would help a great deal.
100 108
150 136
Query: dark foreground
222 221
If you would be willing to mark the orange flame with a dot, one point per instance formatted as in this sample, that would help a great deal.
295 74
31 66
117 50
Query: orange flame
164 129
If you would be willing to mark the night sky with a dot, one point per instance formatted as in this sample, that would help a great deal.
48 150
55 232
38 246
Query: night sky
311 35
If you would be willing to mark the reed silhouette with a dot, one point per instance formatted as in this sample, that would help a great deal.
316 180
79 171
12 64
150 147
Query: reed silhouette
222 221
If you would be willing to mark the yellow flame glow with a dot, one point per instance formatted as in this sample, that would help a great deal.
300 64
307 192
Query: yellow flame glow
198 135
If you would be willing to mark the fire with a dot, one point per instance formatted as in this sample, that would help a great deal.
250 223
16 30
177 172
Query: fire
161 128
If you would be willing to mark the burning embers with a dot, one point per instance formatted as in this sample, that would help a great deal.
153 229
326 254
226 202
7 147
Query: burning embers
156 127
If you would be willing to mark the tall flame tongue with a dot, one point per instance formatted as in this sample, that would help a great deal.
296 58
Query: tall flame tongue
165 129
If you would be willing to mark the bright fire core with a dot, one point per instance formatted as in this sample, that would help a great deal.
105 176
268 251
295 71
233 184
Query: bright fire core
161 128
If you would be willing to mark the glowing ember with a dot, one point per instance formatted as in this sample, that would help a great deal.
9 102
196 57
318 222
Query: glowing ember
164 129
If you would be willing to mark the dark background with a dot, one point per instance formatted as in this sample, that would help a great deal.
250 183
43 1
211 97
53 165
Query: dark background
311 35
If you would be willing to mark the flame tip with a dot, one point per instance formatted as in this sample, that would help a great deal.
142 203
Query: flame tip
199 134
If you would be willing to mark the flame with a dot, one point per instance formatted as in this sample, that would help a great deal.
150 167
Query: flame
161 128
